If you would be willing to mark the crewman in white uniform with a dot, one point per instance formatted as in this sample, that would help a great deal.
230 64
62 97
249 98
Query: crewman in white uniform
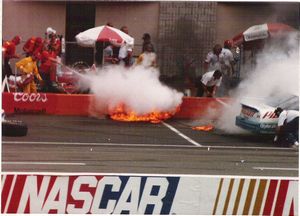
287 130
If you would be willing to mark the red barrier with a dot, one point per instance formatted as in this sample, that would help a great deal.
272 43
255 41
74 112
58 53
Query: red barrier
82 104
194 107
42 103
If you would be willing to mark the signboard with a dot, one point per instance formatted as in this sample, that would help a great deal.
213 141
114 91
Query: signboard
147 194
256 32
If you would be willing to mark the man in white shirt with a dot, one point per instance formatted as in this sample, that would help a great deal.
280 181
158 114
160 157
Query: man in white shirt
212 61
287 130
108 55
221 59
209 83
125 54
226 59
148 57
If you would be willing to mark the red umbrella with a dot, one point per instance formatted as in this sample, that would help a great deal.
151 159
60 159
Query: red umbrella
104 33
262 31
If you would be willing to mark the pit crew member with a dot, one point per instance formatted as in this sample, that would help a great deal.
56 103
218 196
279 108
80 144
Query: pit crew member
26 66
9 52
287 130
210 81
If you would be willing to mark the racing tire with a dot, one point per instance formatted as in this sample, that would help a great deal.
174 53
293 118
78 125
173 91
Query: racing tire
80 66
14 128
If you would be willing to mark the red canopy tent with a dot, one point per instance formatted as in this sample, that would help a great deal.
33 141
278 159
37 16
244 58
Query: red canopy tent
257 34
254 38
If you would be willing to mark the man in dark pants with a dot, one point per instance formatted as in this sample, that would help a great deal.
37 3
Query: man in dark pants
287 131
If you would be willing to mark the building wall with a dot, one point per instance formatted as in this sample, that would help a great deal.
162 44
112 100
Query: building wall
181 31
31 18
186 32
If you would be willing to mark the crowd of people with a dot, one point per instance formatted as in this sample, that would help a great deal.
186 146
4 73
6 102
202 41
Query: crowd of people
115 54
219 68
218 65
39 62
41 56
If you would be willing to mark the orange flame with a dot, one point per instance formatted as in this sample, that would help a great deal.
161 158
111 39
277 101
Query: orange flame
120 114
204 128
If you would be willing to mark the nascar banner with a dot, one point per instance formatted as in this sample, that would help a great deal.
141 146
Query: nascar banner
147 194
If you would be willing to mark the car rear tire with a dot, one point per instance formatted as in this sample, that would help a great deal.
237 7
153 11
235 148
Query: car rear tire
14 128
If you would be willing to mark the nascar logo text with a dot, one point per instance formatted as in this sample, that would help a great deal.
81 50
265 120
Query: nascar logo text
87 194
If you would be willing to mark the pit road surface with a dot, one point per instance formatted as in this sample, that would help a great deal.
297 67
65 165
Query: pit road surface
75 144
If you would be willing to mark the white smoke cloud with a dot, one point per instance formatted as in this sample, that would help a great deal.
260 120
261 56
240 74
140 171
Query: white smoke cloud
275 74
138 88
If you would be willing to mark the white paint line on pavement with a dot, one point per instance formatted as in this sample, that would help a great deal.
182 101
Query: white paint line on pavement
148 174
275 168
181 134
144 145
40 163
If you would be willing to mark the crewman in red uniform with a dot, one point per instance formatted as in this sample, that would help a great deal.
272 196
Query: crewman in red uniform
53 41
38 46
9 52
48 70
33 45
55 44
29 46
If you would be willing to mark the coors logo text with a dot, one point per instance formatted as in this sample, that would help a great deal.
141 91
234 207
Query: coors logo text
33 97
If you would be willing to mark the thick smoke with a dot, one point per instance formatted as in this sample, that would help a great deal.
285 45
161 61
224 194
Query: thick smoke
276 74
137 88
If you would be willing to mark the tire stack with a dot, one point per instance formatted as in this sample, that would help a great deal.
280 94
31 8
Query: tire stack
14 128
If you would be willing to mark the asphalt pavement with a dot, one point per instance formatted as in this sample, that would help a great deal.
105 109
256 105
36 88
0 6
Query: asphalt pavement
73 144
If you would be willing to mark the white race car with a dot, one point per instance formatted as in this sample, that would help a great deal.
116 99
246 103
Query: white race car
258 115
